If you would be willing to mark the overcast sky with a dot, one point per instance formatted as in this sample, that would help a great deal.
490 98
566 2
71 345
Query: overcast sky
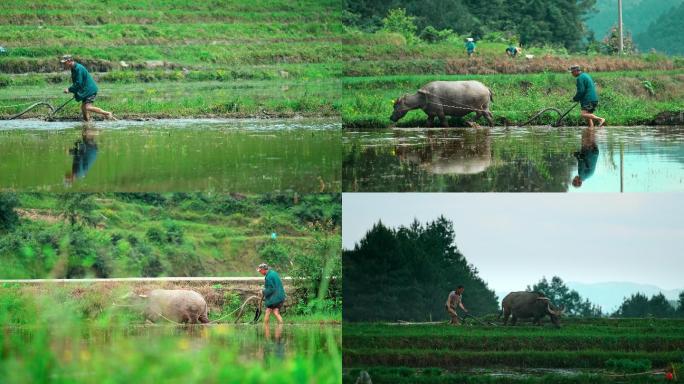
515 239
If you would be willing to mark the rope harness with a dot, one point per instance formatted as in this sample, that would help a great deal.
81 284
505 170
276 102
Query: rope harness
241 309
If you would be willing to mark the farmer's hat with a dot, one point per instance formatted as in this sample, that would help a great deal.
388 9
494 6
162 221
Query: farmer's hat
574 68
66 58
263 266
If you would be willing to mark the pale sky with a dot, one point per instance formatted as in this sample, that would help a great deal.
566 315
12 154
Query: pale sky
515 239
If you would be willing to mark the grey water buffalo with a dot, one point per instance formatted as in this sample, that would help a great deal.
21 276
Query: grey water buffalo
177 305
447 98
525 305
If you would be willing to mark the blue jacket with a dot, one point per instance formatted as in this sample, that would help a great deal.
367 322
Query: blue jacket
586 92
274 292
84 86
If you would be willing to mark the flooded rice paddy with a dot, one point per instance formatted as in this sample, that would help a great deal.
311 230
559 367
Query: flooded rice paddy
510 159
246 156
145 353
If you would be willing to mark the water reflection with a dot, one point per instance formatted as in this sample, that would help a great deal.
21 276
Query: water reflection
274 346
535 159
221 156
587 157
84 153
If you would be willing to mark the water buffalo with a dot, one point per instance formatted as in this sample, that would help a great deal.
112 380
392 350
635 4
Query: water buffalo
447 98
525 305
177 305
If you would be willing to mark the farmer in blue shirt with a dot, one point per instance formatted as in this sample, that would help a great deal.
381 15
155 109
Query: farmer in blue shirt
586 96
274 293
470 46
83 88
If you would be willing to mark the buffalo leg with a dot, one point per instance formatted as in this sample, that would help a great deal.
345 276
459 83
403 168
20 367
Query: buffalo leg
489 117
506 316
430 121
514 320
443 120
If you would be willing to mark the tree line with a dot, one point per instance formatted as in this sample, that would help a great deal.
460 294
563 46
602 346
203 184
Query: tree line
406 273
539 22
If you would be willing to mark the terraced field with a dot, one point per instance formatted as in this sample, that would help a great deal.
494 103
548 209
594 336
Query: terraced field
177 58
583 351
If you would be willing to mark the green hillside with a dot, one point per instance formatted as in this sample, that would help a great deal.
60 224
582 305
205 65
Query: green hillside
174 234
665 34
637 16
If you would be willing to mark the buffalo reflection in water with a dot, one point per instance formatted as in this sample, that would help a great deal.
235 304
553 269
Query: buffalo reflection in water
443 154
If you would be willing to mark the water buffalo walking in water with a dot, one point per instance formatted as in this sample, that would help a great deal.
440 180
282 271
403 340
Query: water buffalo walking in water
447 98
177 305
525 305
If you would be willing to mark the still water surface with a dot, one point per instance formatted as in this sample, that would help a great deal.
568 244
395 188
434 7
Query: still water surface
534 159
246 156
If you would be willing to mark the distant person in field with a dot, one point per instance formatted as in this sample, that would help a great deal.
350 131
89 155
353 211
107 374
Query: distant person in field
470 46
587 97
512 50
83 88
454 301
587 157
274 293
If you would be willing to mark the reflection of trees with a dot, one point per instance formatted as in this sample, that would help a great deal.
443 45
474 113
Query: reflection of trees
531 162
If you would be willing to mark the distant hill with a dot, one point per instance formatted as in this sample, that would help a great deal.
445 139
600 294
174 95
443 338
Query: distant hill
637 15
665 33
610 295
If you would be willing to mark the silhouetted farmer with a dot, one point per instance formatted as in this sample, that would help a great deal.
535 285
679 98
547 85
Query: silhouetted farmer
83 88
453 301
470 46
586 96
274 293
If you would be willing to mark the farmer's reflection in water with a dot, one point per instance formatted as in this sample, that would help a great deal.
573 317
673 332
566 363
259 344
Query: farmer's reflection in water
586 157
84 153
274 346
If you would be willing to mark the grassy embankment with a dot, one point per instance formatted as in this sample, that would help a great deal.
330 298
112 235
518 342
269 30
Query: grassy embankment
178 58
600 350
133 235
632 90
66 335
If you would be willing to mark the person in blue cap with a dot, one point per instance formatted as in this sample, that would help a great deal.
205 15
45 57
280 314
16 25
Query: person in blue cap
83 88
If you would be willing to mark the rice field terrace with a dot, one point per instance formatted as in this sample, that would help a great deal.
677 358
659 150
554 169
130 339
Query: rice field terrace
177 58
81 334
582 351
625 97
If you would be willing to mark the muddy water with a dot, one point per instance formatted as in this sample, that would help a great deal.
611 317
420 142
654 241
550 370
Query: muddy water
246 156
535 159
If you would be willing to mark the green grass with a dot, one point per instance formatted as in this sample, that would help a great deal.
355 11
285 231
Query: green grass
77 336
624 99
592 349
165 235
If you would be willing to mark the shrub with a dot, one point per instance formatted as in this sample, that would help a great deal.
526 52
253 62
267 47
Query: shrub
398 21
431 35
